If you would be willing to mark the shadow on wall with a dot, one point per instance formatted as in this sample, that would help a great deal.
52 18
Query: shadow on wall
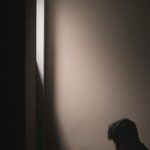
53 137
51 131
39 111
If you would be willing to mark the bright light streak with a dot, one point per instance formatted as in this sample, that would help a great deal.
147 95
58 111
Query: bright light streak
40 37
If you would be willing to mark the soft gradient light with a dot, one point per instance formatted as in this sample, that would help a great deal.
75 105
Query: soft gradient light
97 77
98 70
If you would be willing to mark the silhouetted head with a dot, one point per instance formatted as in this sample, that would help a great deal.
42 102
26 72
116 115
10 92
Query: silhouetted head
124 134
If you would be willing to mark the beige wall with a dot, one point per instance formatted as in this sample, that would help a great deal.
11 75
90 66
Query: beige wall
101 69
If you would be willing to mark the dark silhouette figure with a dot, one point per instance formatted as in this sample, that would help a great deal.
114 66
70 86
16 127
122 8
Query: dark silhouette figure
125 136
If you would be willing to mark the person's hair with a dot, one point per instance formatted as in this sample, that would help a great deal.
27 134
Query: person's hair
123 130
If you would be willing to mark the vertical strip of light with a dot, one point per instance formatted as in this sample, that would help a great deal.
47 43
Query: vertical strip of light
40 38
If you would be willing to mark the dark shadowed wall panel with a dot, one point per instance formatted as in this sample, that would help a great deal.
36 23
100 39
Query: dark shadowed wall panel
30 74
12 82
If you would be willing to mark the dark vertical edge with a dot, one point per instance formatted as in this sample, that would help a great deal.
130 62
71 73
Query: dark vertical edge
49 75
30 66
